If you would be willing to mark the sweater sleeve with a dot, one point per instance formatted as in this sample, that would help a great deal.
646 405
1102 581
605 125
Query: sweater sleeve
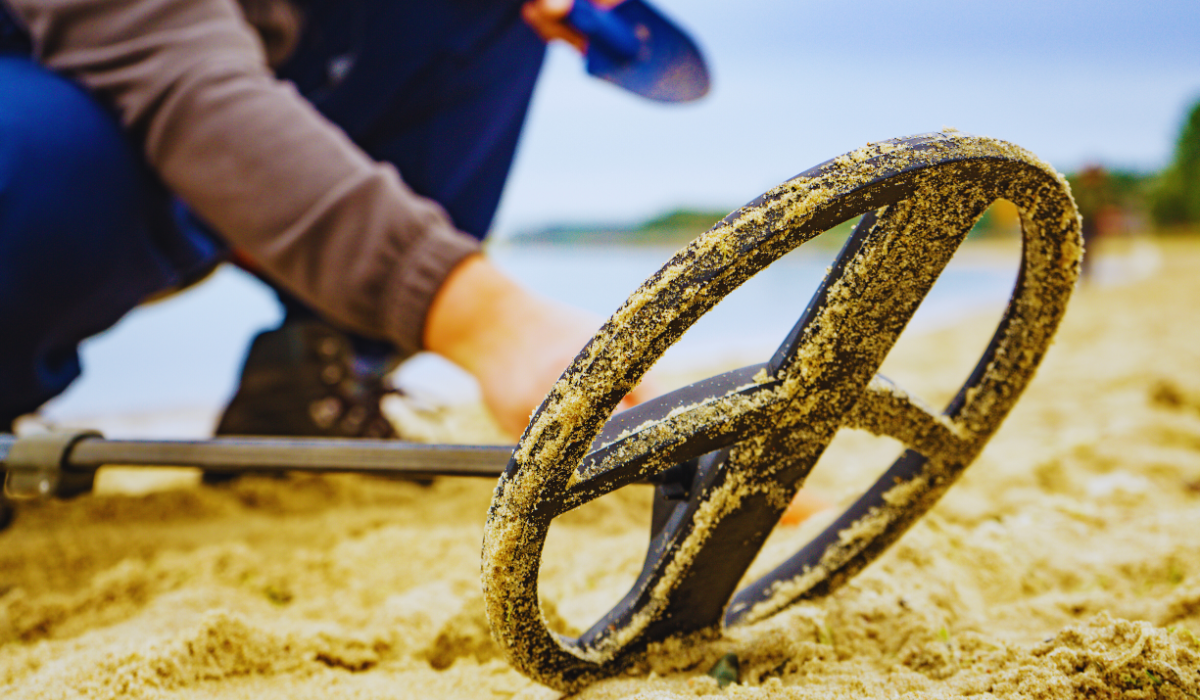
190 82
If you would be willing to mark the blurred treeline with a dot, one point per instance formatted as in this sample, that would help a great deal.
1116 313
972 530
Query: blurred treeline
1116 201
1174 195
674 228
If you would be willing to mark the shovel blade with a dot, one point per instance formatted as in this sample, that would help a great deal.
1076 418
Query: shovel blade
635 47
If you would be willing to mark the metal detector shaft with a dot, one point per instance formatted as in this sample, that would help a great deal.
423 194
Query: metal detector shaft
32 458
389 458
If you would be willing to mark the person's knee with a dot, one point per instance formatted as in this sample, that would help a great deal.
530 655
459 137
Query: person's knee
65 163
78 205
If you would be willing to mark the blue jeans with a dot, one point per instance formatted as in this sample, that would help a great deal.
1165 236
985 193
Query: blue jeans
440 88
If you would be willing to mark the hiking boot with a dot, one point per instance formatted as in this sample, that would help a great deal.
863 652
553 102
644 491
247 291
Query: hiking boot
299 380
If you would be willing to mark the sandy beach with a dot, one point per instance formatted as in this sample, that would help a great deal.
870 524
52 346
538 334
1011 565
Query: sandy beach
1066 563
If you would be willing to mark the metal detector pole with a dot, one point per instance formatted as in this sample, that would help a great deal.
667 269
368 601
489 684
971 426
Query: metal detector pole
59 464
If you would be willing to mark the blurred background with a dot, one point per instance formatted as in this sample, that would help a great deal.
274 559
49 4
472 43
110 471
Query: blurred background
606 185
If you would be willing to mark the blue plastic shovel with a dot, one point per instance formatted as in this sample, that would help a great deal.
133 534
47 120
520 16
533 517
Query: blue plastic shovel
632 45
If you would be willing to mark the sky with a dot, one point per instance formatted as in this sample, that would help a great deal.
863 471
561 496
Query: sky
796 82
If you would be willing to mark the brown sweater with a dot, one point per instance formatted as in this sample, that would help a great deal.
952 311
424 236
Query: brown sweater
191 83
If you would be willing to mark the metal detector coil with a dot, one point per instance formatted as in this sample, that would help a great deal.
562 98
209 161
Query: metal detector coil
729 453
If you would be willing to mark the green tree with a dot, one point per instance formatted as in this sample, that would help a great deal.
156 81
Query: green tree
1176 199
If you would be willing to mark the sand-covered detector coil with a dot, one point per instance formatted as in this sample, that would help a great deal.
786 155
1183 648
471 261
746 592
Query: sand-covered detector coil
753 435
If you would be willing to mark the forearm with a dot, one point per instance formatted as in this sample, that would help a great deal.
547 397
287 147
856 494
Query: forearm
249 155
